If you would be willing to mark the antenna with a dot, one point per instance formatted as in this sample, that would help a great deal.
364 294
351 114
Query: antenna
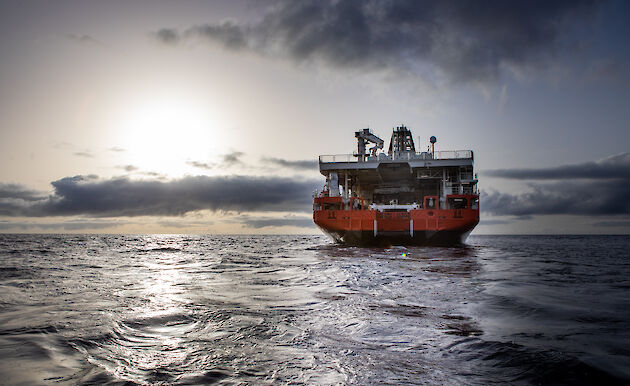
433 140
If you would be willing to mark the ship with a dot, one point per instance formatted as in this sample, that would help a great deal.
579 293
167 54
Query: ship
399 197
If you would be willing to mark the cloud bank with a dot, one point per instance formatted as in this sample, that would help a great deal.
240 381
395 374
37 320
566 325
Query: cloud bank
592 188
609 198
122 197
9 192
74 225
464 40
616 166
600 188
267 221
612 224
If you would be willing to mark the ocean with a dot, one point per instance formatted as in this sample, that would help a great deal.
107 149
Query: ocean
182 309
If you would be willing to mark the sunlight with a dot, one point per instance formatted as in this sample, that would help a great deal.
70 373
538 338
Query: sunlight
161 135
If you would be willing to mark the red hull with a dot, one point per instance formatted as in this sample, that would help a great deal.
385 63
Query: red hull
414 227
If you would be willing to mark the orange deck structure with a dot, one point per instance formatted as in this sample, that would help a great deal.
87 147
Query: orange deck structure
398 198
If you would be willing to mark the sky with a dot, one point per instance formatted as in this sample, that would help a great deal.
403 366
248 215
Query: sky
209 116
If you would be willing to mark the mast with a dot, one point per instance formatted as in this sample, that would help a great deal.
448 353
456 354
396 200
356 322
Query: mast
401 142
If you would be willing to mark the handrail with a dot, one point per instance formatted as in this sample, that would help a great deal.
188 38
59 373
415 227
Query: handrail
444 154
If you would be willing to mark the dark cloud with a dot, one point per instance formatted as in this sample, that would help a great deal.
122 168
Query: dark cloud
493 222
81 195
227 33
73 225
612 224
293 164
466 40
18 192
591 188
577 198
616 166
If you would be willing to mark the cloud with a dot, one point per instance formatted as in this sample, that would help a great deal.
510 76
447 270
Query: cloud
72 225
590 188
227 160
201 165
232 158
185 224
227 33
157 175
577 198
293 164
83 154
116 197
116 149
18 192
464 40
263 222
167 36
494 222
127 168
616 166
612 224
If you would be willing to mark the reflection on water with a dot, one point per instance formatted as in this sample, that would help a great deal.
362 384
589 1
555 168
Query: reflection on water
147 338
289 309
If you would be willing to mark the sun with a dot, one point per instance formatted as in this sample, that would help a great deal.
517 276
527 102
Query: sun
163 134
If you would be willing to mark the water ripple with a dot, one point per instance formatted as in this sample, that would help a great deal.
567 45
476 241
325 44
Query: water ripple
170 309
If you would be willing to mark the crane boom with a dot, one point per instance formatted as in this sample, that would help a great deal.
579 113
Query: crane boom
364 136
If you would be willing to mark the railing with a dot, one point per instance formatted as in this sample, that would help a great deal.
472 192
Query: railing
453 154
337 158
444 154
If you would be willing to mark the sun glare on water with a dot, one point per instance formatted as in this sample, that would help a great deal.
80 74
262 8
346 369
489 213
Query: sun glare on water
162 135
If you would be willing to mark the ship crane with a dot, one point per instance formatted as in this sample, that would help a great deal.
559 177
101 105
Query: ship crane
363 137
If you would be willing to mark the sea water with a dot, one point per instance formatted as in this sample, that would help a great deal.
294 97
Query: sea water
181 309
